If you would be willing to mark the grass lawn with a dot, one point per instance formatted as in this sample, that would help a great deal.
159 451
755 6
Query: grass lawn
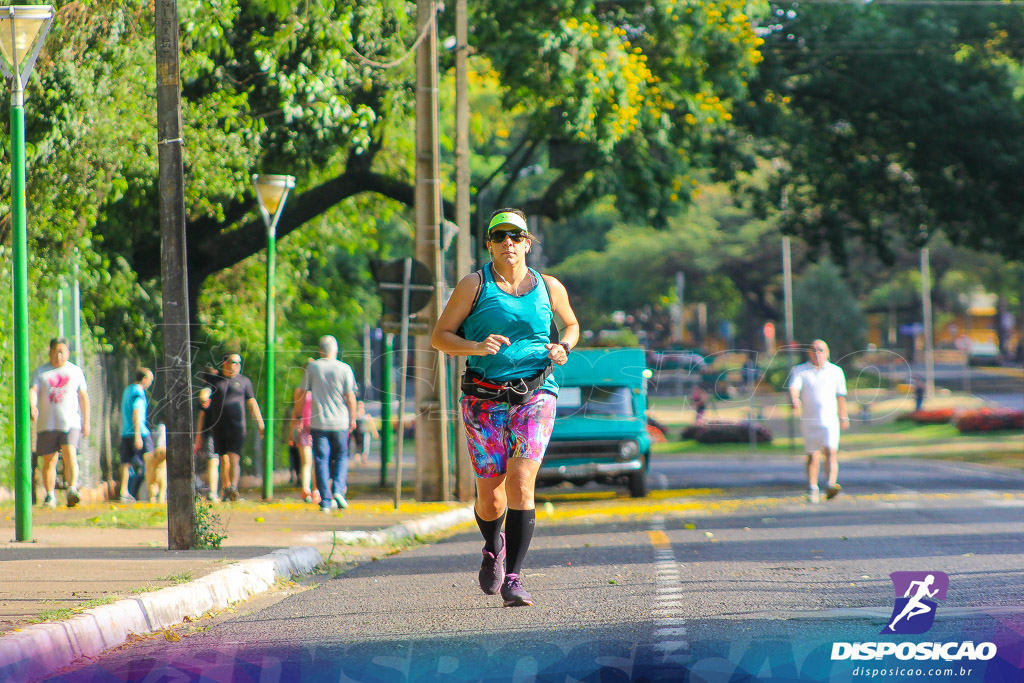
123 518
883 437
889 440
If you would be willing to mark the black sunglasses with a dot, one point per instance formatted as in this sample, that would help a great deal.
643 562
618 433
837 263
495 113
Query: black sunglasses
498 236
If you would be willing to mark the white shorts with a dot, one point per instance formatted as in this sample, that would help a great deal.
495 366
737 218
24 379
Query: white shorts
818 436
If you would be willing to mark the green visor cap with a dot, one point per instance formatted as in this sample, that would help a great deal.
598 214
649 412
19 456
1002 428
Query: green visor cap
509 219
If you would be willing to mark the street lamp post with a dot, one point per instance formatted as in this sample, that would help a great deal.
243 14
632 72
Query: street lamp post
22 31
271 192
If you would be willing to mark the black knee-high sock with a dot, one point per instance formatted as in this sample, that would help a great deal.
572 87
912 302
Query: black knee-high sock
491 531
518 533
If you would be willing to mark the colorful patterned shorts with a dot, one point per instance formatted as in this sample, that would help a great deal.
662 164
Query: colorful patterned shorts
497 431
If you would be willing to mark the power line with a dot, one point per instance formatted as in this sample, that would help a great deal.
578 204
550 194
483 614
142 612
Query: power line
410 52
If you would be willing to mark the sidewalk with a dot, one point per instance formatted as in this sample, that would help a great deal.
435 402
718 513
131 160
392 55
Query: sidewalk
92 583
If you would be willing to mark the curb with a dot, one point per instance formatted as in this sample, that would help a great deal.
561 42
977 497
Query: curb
396 532
39 650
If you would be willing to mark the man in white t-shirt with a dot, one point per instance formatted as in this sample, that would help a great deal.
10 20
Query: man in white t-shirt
818 392
333 387
59 406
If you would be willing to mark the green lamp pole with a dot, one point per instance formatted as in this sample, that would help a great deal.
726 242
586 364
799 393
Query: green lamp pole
23 29
271 192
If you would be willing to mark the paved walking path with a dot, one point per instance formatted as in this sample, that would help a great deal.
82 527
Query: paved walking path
84 584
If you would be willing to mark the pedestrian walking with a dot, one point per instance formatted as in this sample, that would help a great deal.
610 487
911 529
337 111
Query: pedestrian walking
501 318
231 394
136 438
156 466
818 392
749 373
302 440
59 406
332 387
699 398
366 429
918 394
205 452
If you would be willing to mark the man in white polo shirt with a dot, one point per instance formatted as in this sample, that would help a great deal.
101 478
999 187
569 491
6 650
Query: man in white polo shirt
818 392
59 403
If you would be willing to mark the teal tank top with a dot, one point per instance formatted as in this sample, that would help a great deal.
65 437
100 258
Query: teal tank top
525 320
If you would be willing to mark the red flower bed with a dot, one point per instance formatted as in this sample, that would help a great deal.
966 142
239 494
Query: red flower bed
657 436
989 420
727 432
929 417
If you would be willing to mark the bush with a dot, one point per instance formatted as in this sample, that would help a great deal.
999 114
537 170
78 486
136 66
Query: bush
727 432
989 420
777 374
928 417
613 339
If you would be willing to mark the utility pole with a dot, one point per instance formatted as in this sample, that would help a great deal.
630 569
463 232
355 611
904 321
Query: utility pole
926 305
431 379
787 295
681 295
76 310
177 363
464 484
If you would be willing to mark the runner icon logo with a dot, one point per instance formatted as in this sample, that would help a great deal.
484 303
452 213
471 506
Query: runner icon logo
916 593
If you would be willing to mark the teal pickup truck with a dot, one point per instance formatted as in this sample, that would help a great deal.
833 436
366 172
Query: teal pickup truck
600 431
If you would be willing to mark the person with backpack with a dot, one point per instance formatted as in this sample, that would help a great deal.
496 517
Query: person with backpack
502 317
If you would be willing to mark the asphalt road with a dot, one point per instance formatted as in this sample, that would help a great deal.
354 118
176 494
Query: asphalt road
747 588
784 475
1006 390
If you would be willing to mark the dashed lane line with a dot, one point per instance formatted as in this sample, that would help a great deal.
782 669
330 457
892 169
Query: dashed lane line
669 627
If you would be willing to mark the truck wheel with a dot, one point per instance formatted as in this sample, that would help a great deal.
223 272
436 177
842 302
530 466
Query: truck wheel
638 484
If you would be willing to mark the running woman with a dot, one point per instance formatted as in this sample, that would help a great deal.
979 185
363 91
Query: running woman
501 318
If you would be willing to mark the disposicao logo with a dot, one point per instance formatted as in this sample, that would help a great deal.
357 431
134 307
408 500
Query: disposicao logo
916 593
914 613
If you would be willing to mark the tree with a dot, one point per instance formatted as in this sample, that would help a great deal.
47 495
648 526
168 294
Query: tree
629 99
893 122
825 308
719 244
623 102
619 103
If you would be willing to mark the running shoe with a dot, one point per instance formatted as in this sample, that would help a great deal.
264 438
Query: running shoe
307 497
231 494
50 501
340 501
128 499
327 510
73 497
492 569
513 593
813 496
832 490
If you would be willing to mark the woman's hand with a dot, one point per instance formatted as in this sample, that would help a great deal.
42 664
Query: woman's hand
557 354
493 344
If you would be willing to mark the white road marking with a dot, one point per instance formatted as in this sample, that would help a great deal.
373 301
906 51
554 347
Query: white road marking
668 594
677 631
